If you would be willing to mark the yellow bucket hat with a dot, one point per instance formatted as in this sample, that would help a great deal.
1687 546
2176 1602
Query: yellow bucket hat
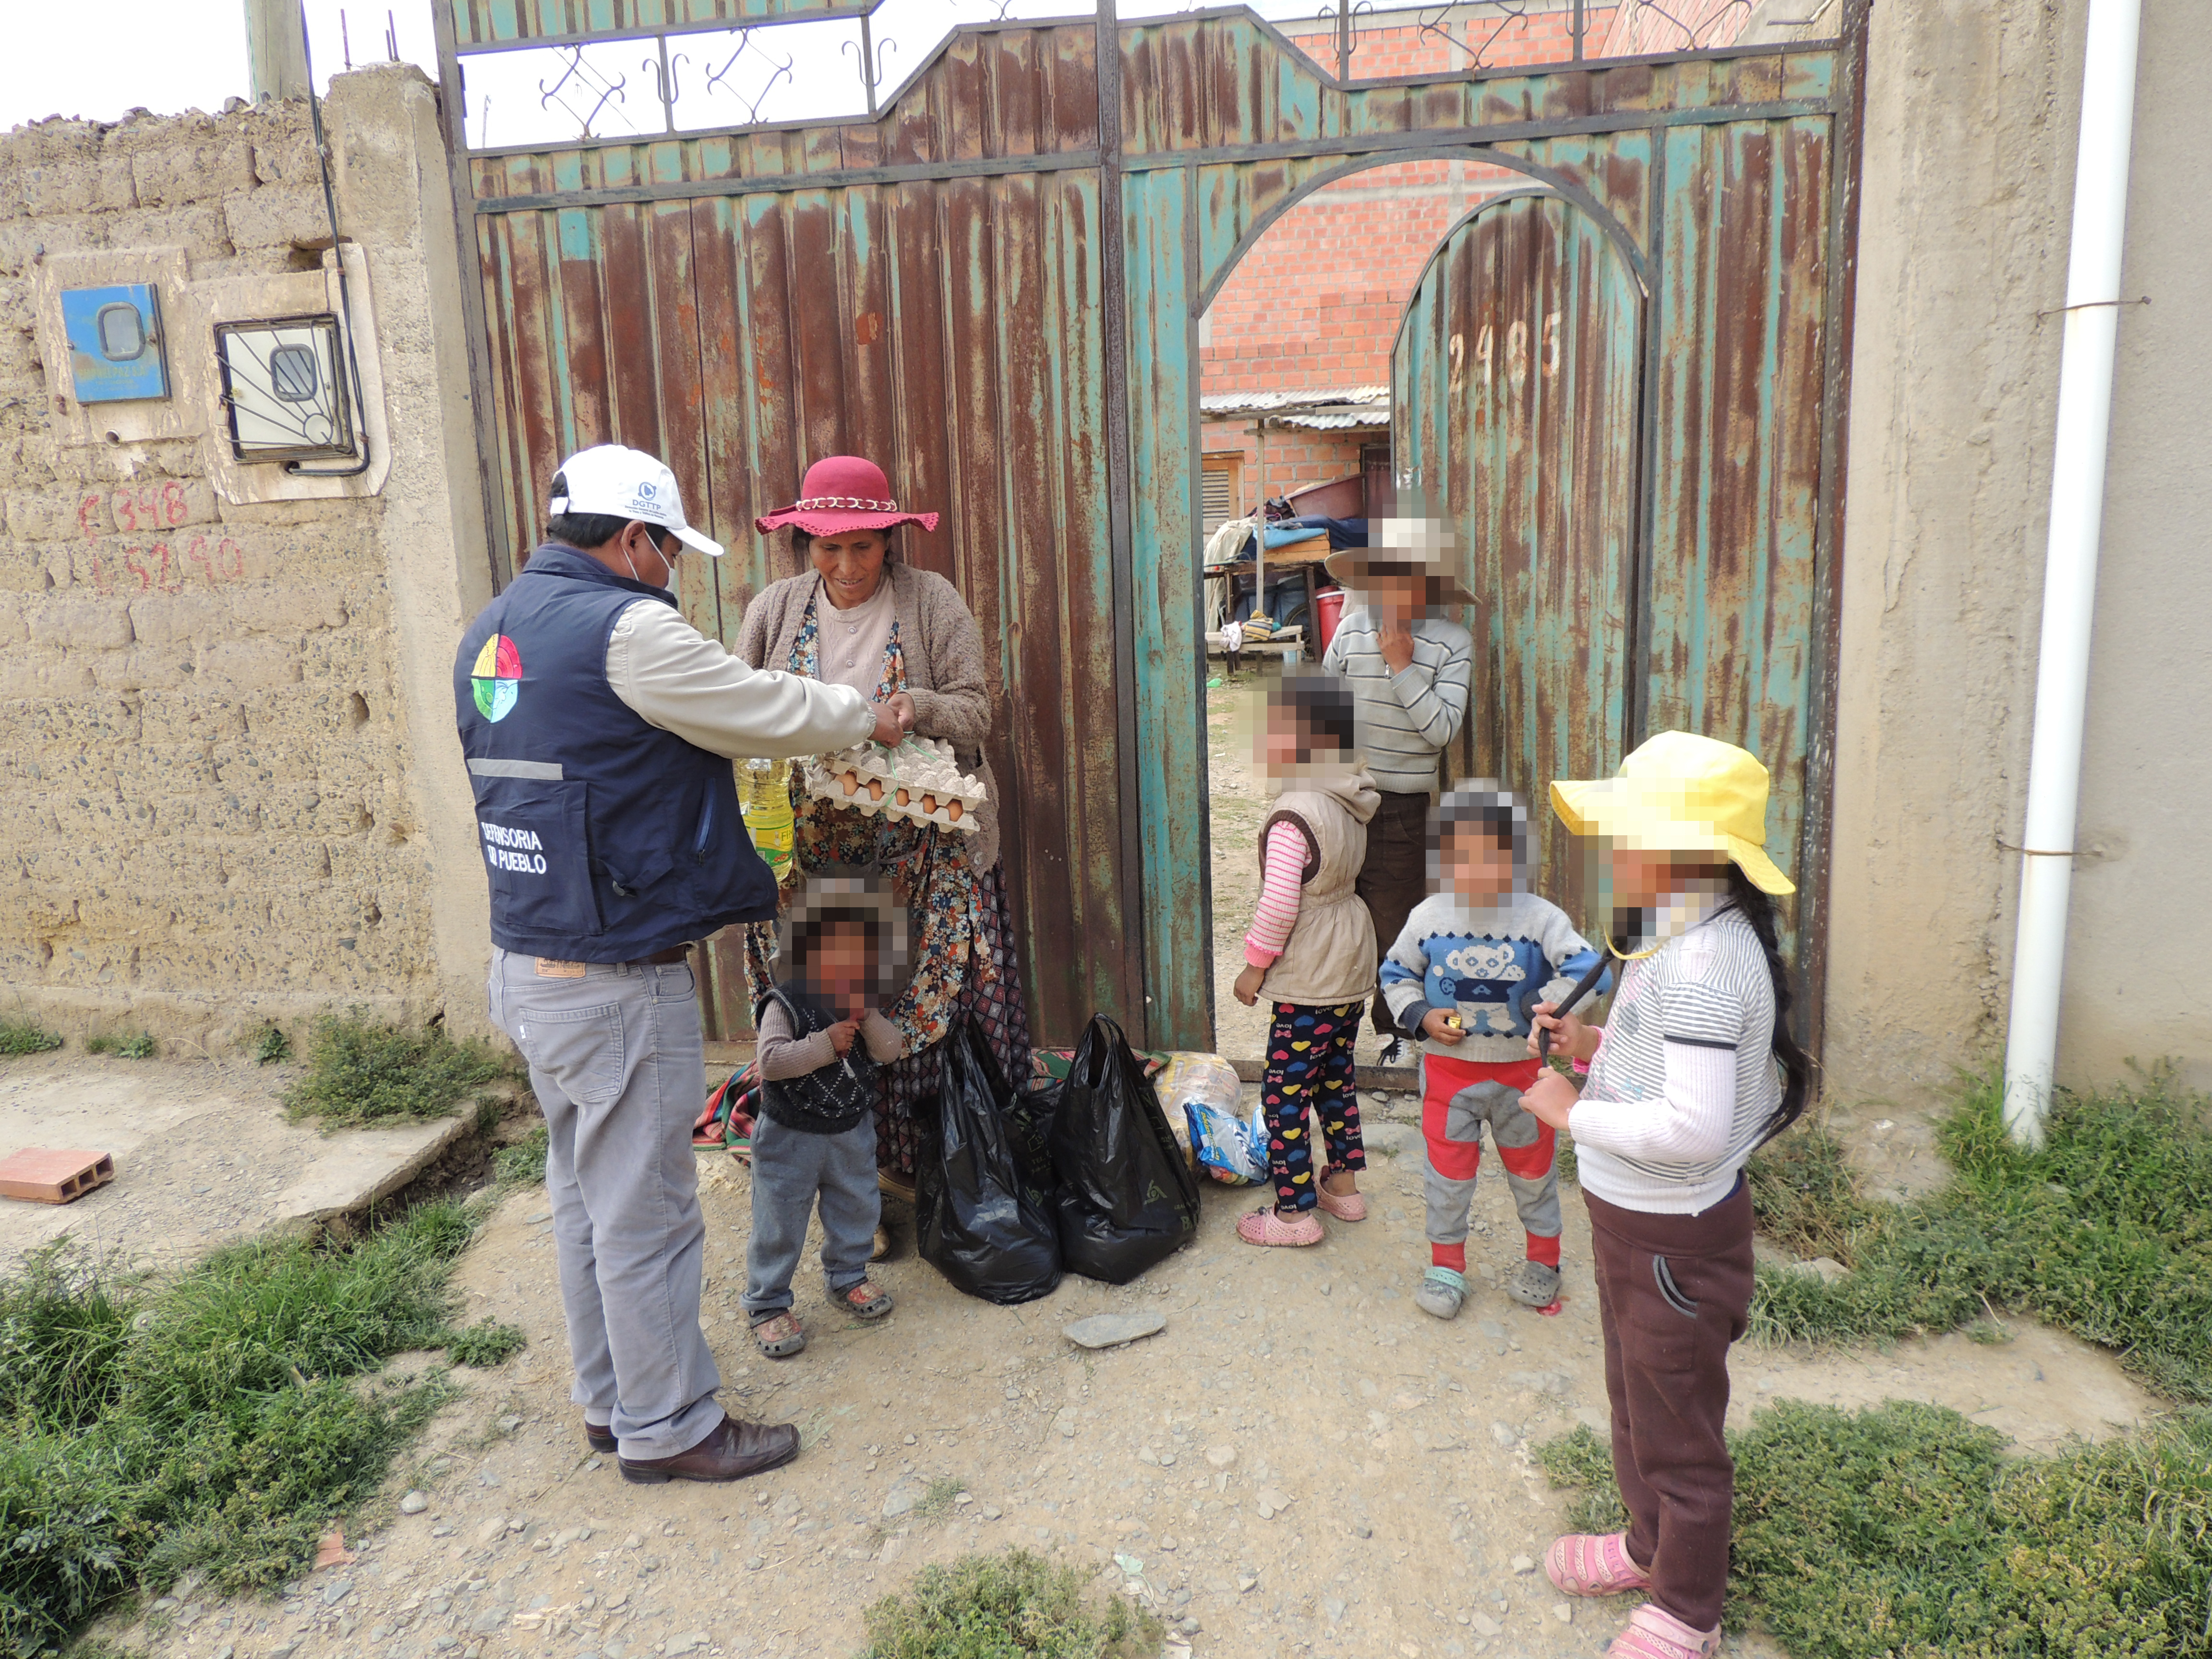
1680 793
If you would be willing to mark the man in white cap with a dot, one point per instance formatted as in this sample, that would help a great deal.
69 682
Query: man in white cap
599 727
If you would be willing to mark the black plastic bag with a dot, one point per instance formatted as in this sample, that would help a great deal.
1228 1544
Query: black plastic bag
1126 1199
978 1222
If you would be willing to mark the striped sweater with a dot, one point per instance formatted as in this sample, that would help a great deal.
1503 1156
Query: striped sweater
1685 1078
1408 717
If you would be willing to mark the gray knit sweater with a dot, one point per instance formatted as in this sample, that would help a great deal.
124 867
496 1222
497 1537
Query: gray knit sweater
948 673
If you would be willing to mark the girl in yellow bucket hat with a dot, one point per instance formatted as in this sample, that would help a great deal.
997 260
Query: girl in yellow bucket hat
1694 1067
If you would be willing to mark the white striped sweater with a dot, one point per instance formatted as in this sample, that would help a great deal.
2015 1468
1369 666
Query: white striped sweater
1407 717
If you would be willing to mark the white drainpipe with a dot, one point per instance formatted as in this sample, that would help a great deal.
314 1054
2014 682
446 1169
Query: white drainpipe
2069 573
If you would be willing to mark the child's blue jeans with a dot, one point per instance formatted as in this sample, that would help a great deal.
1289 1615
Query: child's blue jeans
791 1169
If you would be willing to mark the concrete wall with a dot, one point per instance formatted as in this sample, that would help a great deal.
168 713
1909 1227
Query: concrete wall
1972 106
213 679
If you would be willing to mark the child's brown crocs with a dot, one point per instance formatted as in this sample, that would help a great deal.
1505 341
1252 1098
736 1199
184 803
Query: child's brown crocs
863 1301
779 1336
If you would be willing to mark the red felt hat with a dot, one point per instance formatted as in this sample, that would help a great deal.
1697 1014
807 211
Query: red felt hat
842 493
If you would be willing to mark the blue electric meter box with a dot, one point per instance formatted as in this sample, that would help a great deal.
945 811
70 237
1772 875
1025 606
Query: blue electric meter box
117 353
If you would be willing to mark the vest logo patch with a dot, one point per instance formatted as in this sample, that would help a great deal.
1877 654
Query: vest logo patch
497 677
518 850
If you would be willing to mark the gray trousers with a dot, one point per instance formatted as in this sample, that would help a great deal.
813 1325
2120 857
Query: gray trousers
1452 1125
791 1168
615 1060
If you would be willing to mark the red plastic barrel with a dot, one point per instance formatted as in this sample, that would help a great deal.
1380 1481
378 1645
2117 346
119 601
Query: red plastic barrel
1328 605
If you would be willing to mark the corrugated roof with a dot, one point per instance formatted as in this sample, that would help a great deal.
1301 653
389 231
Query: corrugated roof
1301 398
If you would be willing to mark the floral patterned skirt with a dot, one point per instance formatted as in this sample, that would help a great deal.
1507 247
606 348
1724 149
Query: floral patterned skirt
965 959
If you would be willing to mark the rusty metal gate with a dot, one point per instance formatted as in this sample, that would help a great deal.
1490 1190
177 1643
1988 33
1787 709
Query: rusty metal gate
993 285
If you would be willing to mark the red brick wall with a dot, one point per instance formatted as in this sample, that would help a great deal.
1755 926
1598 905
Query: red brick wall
1484 40
1295 458
1316 301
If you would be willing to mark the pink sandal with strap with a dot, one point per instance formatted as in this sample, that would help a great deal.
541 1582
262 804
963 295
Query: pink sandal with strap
1653 1634
1265 1227
1594 1564
1345 1206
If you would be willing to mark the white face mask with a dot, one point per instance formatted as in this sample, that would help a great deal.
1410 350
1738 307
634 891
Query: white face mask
1673 916
668 563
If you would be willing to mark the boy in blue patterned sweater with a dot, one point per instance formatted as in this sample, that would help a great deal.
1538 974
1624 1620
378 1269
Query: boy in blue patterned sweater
1475 957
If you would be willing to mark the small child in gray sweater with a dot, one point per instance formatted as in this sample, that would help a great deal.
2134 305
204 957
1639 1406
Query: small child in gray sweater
820 1046
1474 957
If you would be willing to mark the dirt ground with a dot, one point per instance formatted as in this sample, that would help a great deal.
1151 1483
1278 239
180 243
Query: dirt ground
1301 1462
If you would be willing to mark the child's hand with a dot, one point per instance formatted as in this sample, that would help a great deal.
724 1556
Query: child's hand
842 1034
1247 988
1442 1025
1550 1098
1570 1035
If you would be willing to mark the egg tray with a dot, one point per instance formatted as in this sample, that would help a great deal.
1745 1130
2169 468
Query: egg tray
919 780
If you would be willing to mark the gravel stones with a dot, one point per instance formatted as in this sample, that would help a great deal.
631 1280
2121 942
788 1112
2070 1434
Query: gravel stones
336 1591
414 1503
1524 1563
1271 1501
1064 1420
1112 1330
1563 1613
1221 1456
493 1529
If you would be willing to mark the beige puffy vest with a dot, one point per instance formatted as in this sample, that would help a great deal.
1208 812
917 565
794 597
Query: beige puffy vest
1329 958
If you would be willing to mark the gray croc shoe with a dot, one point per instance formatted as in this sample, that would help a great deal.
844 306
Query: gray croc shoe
1532 1284
1441 1292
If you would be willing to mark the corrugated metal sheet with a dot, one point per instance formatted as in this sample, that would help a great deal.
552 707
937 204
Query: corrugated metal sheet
1517 370
930 287
743 336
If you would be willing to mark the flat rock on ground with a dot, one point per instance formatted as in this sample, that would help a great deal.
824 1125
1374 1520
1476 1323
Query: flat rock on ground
203 1154
1111 1330
1305 1375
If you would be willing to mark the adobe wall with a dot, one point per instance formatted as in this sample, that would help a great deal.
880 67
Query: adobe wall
1971 119
212 805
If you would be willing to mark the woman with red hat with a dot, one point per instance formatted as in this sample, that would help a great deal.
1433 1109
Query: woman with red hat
859 615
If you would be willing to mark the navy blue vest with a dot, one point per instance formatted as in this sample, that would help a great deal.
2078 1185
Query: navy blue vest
606 838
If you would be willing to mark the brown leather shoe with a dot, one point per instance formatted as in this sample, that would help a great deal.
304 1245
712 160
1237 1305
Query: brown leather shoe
735 1449
600 1439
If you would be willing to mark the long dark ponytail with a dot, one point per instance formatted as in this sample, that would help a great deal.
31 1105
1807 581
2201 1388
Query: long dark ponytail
1758 910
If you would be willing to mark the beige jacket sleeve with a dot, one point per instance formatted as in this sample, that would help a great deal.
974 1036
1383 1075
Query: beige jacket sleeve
673 676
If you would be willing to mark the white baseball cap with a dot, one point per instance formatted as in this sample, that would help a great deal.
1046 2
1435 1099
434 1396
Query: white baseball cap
626 483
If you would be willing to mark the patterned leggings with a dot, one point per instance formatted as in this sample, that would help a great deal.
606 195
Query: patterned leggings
1310 1064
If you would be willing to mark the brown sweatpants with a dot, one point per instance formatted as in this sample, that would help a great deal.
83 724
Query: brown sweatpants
1672 1293
1394 877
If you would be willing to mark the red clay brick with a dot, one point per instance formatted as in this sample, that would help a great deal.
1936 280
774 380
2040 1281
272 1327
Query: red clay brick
45 1175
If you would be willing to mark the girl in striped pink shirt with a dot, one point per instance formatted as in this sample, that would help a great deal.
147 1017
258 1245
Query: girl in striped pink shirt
1311 948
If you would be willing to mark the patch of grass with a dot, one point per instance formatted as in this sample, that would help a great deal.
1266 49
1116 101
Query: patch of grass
938 1500
1010 1606
269 1045
127 1045
524 1163
26 1037
216 1422
1901 1532
2104 1232
485 1344
361 1072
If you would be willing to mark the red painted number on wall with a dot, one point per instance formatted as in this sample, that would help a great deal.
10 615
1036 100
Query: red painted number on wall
148 508
160 568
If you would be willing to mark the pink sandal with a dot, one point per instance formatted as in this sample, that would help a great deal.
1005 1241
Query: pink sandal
1653 1634
1594 1564
1265 1227
1345 1206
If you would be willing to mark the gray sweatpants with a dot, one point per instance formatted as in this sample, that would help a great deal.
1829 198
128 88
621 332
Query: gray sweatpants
790 1169
1452 1124
615 1060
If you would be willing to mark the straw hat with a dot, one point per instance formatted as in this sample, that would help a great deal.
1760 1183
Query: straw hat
843 493
1680 793
1404 547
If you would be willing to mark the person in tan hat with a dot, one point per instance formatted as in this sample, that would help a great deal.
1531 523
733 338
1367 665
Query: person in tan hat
1694 1068
1408 666
859 615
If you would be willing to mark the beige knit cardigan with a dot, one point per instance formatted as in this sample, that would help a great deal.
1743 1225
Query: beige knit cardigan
948 673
